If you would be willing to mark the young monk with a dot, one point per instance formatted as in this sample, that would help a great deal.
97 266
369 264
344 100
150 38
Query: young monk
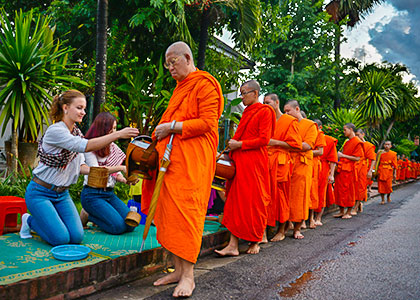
346 176
248 193
326 175
386 171
366 166
300 182
192 116
286 136
399 167
318 151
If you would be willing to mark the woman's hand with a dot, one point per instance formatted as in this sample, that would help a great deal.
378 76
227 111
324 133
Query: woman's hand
121 178
128 132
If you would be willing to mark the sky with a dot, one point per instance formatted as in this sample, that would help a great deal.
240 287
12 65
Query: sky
390 33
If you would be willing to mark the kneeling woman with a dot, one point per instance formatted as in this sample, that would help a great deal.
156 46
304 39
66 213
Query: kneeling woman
104 207
53 214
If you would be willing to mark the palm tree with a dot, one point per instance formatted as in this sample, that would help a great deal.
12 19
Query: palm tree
248 22
339 10
101 49
33 65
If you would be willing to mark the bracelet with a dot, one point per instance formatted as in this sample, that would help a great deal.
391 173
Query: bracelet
173 125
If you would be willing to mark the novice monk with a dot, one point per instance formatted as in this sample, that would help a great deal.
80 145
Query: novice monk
326 175
286 136
196 105
248 193
346 177
365 172
300 182
386 171
320 143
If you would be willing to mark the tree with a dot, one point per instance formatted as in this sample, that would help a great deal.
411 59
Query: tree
33 65
339 11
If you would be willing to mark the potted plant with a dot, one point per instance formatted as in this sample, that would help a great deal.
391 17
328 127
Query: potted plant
33 66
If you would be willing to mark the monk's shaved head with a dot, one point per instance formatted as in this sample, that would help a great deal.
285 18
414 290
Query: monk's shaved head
253 85
179 48
273 96
292 103
351 126
360 130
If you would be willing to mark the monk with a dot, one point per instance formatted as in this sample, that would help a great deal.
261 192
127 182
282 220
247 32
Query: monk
248 193
399 167
192 116
386 171
346 176
318 151
300 182
326 175
286 136
404 169
366 165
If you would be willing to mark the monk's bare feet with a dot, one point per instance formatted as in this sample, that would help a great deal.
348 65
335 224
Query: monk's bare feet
338 215
227 251
389 200
298 235
168 279
353 213
264 239
290 226
184 288
303 225
382 202
312 224
278 237
361 207
254 248
346 216
318 223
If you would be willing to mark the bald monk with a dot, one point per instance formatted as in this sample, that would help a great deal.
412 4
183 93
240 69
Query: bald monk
346 176
404 170
318 151
366 166
326 175
386 171
196 105
286 136
300 182
248 193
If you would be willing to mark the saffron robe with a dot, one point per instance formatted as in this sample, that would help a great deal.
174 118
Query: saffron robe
364 165
399 168
387 164
316 162
404 169
329 156
197 101
346 177
279 165
248 193
300 182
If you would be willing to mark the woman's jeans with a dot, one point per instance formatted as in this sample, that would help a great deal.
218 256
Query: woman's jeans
53 215
105 210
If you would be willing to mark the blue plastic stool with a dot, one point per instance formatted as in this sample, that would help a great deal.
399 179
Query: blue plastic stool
138 206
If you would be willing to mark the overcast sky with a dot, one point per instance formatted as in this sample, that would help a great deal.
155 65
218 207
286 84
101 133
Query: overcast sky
391 32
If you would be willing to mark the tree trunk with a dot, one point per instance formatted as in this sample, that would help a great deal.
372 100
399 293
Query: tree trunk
386 134
101 45
292 67
14 151
204 37
337 100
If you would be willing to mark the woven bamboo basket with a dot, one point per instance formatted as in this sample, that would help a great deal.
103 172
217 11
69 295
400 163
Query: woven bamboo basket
98 177
132 219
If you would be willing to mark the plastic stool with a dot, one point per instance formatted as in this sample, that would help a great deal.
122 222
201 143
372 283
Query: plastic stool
10 206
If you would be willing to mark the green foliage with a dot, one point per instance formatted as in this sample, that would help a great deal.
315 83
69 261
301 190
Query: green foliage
405 146
32 65
15 183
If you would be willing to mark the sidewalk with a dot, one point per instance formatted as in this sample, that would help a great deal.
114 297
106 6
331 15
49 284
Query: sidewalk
28 271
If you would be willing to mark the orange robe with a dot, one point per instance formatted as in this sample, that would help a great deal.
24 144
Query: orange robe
346 176
248 193
320 142
300 182
387 164
279 165
329 156
404 170
399 169
197 101
364 165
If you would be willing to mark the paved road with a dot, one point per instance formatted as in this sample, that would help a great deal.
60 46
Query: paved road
375 255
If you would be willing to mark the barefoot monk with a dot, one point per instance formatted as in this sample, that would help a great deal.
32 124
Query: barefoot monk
386 171
286 136
196 106
248 193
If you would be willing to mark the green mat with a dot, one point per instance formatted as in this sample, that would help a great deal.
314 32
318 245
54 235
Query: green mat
29 258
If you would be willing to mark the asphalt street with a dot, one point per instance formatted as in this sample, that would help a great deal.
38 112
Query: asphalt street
375 255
